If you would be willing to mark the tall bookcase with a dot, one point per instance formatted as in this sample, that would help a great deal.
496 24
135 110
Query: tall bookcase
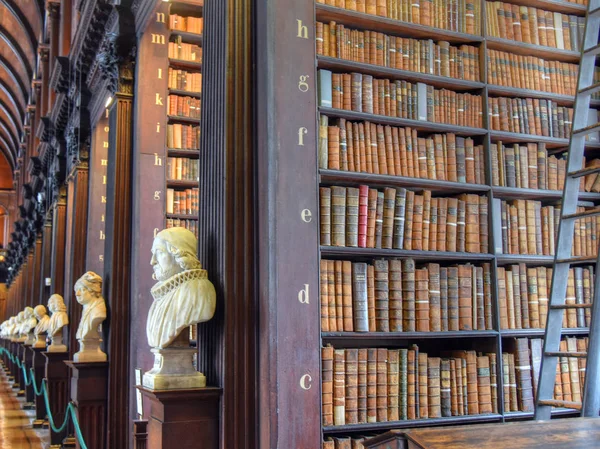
492 340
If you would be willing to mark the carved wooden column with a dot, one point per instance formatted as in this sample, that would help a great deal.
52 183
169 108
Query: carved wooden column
59 224
46 290
117 62
53 7
57 376
44 54
37 271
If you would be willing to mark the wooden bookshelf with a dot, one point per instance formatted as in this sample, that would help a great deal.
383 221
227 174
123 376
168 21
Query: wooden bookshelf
536 333
188 38
181 119
522 48
350 338
181 64
365 253
185 93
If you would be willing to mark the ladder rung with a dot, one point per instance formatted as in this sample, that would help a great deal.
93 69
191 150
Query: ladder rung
565 404
585 213
581 355
584 172
587 130
577 259
590 89
571 306
592 51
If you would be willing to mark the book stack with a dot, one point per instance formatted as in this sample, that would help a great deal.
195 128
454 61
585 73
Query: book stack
345 442
530 116
185 52
524 292
388 150
180 106
183 80
521 372
190 224
397 296
529 72
393 98
397 218
182 202
450 15
534 26
530 228
370 385
415 55
185 137
182 169
189 24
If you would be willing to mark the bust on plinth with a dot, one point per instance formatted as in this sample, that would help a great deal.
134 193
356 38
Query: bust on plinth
29 324
88 291
42 326
183 296
11 329
58 320
21 336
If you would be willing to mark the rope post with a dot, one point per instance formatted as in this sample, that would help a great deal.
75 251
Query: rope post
39 371
57 378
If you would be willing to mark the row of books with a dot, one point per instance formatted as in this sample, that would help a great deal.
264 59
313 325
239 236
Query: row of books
458 15
529 72
184 137
183 80
397 296
184 52
524 292
402 219
191 225
182 169
530 116
534 26
345 442
189 24
380 385
181 106
521 372
416 101
183 202
527 227
416 55
388 150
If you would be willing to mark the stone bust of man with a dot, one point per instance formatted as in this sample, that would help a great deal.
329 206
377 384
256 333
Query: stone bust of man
19 334
29 324
183 294
58 320
42 326
88 291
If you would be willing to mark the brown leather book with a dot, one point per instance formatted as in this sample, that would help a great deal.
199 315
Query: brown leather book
323 284
339 387
483 385
465 295
371 218
433 387
435 324
423 396
422 300
506 381
417 223
460 388
348 320
441 224
338 214
327 384
363 215
379 220
333 147
472 387
382 321
389 205
451 224
453 299
372 385
543 298
483 225
487 295
352 200
339 294
351 384
571 343
510 301
426 220
433 224
454 392
493 381
571 314
342 442
523 375
445 388
331 300
408 220
393 378
362 385
478 303
382 385
408 295
443 299
371 297
512 378
411 385
328 444
532 294
395 295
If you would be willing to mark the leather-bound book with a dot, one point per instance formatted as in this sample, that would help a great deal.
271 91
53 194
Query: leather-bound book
382 385
338 213
327 384
382 321
565 374
351 384
461 166
409 395
395 295
435 324
339 295
453 389
483 385
343 145
512 378
347 300
588 283
444 299
493 381
542 284
331 296
483 225
389 205
426 220
433 388
465 295
323 141
342 442
408 220
433 224
371 297
371 385
371 219
578 272
453 299
451 224
423 397
356 91
582 346
574 369
472 233
532 294
408 295
399 218
417 223
352 198
362 385
422 300
323 284
523 372
571 314
445 388
506 381
441 223
393 378
339 387
379 220
360 300
487 295
363 215
510 301
459 386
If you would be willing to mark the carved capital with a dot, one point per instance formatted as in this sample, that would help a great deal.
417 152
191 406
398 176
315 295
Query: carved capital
53 8
44 52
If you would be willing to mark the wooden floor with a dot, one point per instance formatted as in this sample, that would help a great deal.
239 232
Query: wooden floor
15 423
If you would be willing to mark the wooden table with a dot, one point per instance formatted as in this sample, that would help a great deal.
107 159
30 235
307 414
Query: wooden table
572 433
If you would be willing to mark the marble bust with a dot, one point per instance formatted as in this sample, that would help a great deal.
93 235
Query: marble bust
58 320
29 324
11 328
19 334
88 291
42 326
183 296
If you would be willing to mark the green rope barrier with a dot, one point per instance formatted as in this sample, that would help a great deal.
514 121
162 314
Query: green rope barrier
38 392
25 377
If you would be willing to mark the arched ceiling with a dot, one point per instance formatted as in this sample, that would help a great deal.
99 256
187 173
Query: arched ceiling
20 30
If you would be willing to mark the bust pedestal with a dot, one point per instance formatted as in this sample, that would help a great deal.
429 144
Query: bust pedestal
39 370
89 391
12 348
21 357
173 370
57 376
28 363
183 418
89 351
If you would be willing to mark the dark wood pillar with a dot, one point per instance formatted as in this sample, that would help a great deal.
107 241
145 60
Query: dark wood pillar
44 54
38 275
46 277
59 225
39 370
57 376
53 7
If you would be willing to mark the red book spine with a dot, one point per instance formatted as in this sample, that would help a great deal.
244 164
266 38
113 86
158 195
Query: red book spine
363 213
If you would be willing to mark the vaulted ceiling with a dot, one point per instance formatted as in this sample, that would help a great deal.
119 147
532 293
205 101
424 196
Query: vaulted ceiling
20 30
